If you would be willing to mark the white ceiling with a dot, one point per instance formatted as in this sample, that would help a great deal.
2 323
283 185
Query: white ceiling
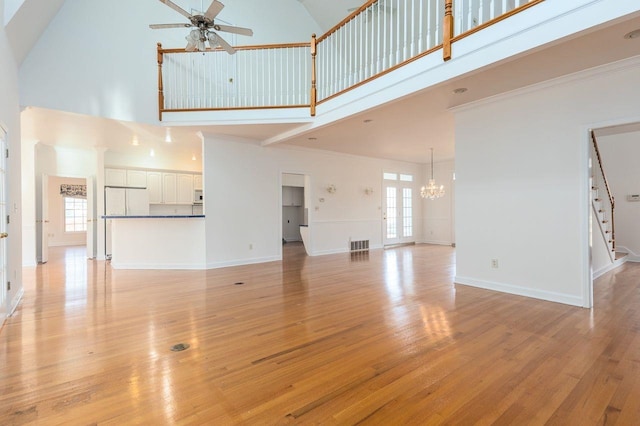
401 130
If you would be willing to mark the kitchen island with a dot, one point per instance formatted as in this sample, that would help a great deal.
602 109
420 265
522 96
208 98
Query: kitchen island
158 242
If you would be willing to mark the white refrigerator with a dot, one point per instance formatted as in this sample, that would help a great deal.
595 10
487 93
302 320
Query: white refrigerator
120 201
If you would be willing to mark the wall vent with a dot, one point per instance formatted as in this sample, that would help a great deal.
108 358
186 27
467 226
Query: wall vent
362 245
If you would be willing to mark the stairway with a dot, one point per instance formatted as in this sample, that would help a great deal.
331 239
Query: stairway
603 214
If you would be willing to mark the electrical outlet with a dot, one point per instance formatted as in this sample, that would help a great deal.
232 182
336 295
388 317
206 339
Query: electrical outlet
494 263
250 246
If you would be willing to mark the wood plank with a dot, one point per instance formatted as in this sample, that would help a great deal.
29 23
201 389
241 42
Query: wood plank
381 338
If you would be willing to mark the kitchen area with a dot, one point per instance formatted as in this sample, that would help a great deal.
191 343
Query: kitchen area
154 219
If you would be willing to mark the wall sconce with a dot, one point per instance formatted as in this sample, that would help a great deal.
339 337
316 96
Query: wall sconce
331 189
368 190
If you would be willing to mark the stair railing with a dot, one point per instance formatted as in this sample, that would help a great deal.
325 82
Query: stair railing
377 38
600 180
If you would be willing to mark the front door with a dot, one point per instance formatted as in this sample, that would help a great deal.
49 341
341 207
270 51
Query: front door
397 209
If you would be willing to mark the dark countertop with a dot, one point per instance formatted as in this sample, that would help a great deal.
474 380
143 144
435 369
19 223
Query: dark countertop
184 216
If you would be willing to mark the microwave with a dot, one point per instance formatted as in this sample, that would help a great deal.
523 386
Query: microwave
198 198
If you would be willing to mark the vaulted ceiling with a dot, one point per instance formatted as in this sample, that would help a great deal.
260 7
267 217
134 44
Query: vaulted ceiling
411 124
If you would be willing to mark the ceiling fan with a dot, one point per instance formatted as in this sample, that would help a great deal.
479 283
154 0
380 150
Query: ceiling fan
204 28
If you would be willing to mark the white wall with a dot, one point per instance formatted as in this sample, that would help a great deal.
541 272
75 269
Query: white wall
620 154
100 56
57 234
243 199
10 121
522 193
169 159
438 214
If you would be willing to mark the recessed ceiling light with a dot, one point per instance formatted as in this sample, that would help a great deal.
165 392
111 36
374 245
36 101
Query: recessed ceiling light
460 90
633 34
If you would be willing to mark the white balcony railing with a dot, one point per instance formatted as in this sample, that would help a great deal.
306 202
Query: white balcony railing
377 38
260 77
472 13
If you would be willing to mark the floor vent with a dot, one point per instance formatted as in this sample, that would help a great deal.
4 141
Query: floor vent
362 245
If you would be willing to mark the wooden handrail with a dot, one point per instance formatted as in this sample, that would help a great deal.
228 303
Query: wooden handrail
347 19
612 200
252 47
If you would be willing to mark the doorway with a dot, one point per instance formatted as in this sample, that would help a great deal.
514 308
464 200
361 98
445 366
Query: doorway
397 215
295 212
65 214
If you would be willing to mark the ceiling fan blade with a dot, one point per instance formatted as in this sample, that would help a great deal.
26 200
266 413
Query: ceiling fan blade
160 26
216 39
177 8
213 10
235 30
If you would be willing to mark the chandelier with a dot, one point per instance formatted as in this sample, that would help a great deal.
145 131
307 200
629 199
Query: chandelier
432 191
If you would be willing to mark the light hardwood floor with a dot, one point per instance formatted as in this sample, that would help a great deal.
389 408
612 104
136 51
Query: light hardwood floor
380 338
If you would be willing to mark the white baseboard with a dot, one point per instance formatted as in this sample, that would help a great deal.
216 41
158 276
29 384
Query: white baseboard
435 242
240 262
16 301
613 265
550 296
325 252
631 256
177 266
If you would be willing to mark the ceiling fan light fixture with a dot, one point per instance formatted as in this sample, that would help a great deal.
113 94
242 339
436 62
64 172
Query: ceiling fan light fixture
203 24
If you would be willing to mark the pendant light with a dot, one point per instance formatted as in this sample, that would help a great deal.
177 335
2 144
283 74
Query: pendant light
432 191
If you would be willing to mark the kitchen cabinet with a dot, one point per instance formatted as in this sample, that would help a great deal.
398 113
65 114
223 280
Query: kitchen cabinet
154 186
115 177
197 181
169 188
292 196
184 188
137 178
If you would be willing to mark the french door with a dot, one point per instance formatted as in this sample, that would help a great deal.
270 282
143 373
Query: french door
397 209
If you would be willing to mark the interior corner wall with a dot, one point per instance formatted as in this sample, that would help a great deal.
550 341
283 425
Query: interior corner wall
243 199
10 121
522 193
438 217
620 154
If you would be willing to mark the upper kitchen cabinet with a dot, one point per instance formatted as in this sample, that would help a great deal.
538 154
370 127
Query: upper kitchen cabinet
197 181
292 196
115 177
137 178
184 188
154 186
169 188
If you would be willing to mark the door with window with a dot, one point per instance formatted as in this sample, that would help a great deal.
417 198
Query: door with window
397 209
3 227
